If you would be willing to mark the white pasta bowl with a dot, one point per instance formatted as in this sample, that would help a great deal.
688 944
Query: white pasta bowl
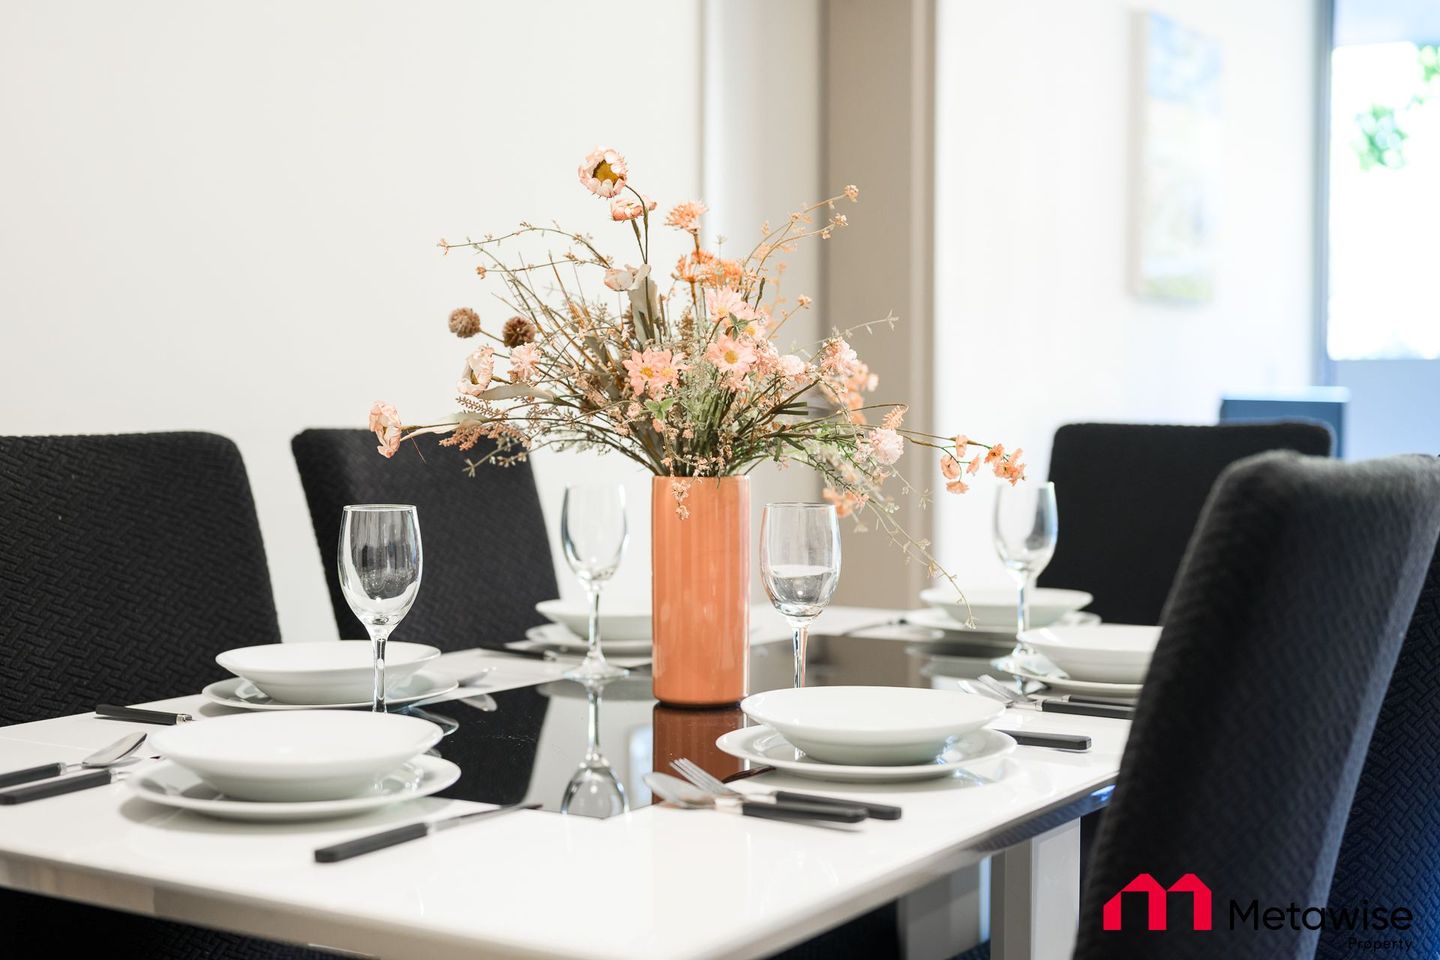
327 671
873 726
297 755
995 609
623 625
1102 652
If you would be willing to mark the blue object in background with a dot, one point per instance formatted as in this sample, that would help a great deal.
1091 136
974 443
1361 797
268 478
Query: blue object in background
1317 404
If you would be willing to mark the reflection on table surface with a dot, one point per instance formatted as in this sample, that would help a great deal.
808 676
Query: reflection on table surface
587 750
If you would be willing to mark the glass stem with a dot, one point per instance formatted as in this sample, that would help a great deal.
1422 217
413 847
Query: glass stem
592 749
799 639
1022 609
594 646
377 641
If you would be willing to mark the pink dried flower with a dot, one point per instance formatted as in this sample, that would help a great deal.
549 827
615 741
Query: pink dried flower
385 421
730 356
524 363
479 371
686 216
846 503
793 367
623 209
652 372
727 302
839 359
950 467
464 322
604 172
884 445
956 486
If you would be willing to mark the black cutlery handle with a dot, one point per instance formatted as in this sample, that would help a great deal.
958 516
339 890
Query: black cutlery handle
110 711
876 811
1059 741
1107 701
1088 709
375 841
31 773
55 788
830 813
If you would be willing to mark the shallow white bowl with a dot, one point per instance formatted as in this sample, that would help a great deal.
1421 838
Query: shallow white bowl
871 726
622 625
328 671
1104 652
996 608
299 755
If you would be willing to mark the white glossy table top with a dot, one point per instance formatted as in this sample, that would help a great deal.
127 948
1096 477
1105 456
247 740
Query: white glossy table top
657 882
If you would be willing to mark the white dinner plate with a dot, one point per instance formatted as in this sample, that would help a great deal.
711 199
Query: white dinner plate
325 671
171 785
559 637
1105 652
997 636
1018 667
762 744
871 725
244 695
296 755
617 625
995 609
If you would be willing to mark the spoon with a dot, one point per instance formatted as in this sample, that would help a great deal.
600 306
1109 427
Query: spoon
121 751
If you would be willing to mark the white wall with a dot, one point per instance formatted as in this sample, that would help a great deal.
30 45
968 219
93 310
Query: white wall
1035 326
222 216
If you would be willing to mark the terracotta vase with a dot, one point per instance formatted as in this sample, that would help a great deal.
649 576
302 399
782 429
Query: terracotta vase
700 572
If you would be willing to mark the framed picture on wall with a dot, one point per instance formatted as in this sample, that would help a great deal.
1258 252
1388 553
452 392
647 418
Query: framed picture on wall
1176 151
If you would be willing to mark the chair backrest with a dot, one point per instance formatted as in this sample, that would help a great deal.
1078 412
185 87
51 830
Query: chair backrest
1129 496
126 564
1254 720
487 554
1390 854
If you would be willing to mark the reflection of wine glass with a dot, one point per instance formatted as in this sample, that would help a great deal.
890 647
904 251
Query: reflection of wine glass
1027 525
594 790
800 566
594 534
379 560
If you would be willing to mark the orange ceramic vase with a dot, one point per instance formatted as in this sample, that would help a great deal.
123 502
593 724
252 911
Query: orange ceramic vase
700 571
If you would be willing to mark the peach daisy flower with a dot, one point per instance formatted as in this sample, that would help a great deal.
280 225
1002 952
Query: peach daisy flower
479 371
652 372
525 363
950 467
727 302
603 172
623 208
385 421
995 453
730 356
686 216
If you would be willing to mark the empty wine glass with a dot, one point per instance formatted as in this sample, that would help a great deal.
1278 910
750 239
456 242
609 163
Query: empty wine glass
800 566
594 534
594 790
379 560
1027 524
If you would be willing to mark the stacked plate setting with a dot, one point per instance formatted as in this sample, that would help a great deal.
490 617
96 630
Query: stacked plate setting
994 612
868 733
621 632
335 674
1109 659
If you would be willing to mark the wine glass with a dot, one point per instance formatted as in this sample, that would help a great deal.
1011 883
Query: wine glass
1027 524
379 560
800 566
594 534
594 790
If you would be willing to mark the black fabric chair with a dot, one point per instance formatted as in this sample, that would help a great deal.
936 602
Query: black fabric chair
1278 644
487 553
1129 495
126 563
1390 854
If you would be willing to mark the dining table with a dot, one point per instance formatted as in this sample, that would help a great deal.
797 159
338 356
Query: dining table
971 858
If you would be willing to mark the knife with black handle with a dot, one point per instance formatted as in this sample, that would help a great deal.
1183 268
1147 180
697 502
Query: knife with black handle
411 831
111 711
1057 741
57 787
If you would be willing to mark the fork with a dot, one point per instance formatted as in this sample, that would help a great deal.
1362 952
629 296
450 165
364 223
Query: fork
692 771
989 686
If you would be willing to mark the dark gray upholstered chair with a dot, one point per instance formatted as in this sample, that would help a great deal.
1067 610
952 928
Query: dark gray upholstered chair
126 563
1129 496
487 553
1248 741
1391 851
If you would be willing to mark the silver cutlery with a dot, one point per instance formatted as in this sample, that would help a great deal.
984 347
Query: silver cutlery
986 685
414 831
689 797
696 775
111 711
121 751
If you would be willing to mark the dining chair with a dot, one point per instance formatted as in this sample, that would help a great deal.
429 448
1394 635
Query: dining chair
1129 495
486 549
1278 644
127 563
1390 853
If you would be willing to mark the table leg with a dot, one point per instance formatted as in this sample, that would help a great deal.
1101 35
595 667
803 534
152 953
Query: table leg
1035 897
947 916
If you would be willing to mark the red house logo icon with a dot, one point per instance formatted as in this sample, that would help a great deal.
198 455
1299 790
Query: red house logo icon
1156 897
